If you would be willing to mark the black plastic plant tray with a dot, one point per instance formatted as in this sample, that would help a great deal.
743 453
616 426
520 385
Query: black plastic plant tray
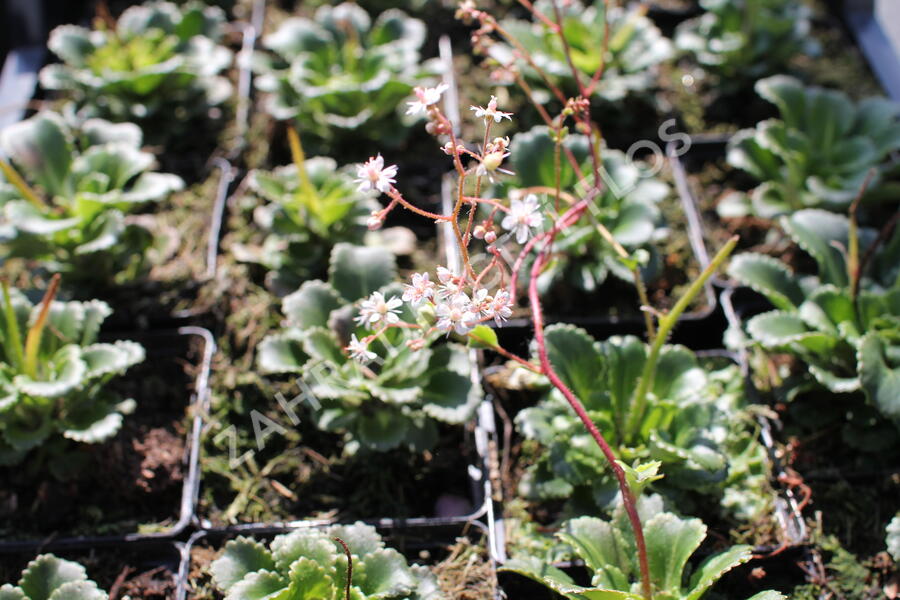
422 542
161 346
152 566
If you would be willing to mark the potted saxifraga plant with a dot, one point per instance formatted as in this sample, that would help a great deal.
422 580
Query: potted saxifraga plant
54 378
342 74
818 155
742 40
619 43
67 193
389 389
159 63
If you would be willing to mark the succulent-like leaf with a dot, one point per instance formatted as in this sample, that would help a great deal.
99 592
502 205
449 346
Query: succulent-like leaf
259 585
47 573
311 305
357 271
769 277
714 567
10 592
241 557
78 590
880 378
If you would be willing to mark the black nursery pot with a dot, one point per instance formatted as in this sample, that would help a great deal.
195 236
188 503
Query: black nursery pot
145 478
151 570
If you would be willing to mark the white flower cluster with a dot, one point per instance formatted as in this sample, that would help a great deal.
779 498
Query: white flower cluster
455 309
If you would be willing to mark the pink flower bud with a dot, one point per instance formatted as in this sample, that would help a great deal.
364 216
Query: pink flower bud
375 222
479 232
490 237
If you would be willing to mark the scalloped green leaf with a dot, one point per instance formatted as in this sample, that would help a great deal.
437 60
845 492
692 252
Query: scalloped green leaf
115 358
879 379
601 546
42 149
311 305
313 545
78 590
10 592
310 581
769 277
821 234
241 557
714 567
387 574
670 543
357 271
575 357
260 585
46 573
282 352
362 539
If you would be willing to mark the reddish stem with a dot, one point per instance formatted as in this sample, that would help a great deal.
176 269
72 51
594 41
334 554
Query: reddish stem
628 498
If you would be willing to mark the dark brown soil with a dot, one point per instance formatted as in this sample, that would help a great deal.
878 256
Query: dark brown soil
132 481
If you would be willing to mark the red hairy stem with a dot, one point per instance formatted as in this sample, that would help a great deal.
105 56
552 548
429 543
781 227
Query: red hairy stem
628 498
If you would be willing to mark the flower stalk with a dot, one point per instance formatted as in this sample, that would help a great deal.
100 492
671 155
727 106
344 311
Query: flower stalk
666 324
35 333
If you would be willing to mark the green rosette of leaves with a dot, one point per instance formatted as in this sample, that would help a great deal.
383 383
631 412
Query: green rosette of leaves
628 207
67 202
303 217
312 564
610 555
743 40
818 155
398 399
160 59
633 52
54 375
50 578
693 424
340 74
850 341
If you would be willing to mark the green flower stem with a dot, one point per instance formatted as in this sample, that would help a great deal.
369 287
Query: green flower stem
666 323
307 190
33 341
853 270
14 337
16 180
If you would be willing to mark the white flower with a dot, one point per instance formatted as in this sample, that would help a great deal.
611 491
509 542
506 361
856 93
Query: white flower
523 216
490 164
456 315
451 285
359 350
376 308
426 97
481 301
422 287
373 175
491 111
500 307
